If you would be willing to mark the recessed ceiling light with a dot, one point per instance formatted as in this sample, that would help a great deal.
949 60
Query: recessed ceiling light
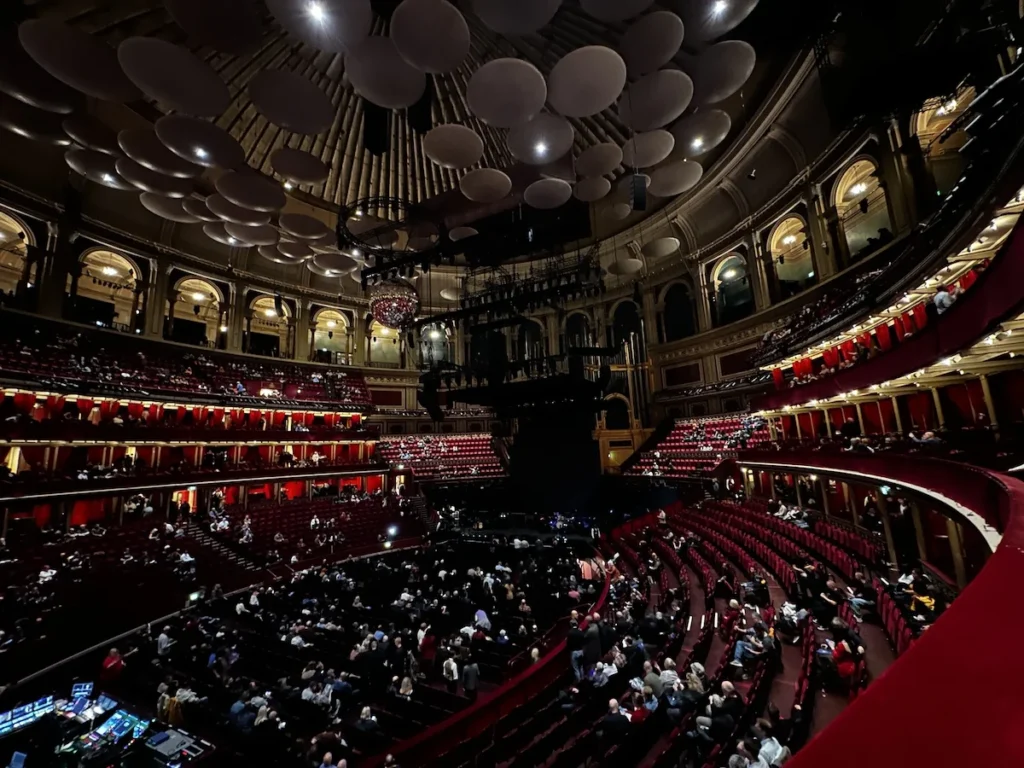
697 143
109 271
789 239
201 153
197 296
317 12
356 252
289 185
435 334
858 189
540 149
331 323
720 6
108 178
233 240
729 274
269 312
810 274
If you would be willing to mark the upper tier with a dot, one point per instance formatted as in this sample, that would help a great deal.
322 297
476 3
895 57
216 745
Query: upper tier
67 358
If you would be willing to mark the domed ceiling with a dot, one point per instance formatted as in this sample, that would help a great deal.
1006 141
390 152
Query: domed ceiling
235 105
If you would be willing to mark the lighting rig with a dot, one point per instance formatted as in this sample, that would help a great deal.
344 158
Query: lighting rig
505 295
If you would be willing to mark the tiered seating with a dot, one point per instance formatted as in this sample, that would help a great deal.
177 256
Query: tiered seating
361 522
896 626
865 548
696 447
67 357
452 457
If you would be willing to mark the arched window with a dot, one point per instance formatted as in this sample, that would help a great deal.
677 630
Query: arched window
435 345
678 316
331 341
13 252
197 312
791 256
104 293
269 327
530 342
733 294
625 322
943 157
385 346
616 415
863 208
577 331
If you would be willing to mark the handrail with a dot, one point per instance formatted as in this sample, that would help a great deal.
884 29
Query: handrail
907 716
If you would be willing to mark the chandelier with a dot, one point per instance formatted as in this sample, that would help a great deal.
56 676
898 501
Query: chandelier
394 303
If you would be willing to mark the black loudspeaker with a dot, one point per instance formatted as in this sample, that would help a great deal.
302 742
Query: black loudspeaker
420 118
278 305
604 378
639 192
376 135
427 396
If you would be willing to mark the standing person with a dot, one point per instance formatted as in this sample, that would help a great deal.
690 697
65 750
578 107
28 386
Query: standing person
450 672
470 678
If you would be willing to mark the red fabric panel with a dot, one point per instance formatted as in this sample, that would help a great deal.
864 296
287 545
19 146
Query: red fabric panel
374 483
897 325
231 494
884 337
108 408
179 413
967 400
255 415
294 489
777 376
310 418
356 419
42 513
24 401
920 313
908 322
84 405
218 416
806 425
55 404
87 511
135 409
872 422
199 413
279 417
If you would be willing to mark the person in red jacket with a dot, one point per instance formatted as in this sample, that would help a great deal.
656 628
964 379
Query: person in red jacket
113 665
846 665
428 652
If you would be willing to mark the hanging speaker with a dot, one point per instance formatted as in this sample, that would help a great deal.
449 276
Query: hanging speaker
278 305
375 128
639 189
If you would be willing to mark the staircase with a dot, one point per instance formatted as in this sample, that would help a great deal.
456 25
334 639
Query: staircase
421 510
660 433
501 446
223 551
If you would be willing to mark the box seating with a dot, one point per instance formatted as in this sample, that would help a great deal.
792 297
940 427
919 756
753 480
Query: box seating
696 447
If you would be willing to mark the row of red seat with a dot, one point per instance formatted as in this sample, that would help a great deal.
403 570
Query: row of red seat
451 456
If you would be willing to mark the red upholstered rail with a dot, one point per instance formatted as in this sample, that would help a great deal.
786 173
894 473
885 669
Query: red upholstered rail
515 693
995 295
954 699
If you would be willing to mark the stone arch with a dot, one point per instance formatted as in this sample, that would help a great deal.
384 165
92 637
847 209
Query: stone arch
15 239
197 306
789 249
620 416
731 287
676 311
103 291
862 206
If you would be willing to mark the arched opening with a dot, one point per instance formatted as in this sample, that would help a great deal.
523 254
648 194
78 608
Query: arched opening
530 342
791 257
384 346
13 254
616 415
732 293
268 328
104 293
577 331
435 345
625 323
678 314
942 153
198 313
331 341
863 208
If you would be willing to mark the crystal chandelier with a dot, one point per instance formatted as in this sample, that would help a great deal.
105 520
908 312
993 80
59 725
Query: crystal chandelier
394 303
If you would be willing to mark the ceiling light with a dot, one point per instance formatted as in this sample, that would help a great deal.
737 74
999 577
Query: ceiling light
289 185
858 189
317 12
540 149
201 153
789 239
435 334
223 329
197 296
697 143
729 274
810 274
359 211
356 252
109 271
233 240
719 6
269 312
108 178
331 323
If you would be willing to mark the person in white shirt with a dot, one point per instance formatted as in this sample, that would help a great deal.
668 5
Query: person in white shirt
254 600
240 608
164 643
314 522
299 642
46 575
187 558
450 672
945 297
